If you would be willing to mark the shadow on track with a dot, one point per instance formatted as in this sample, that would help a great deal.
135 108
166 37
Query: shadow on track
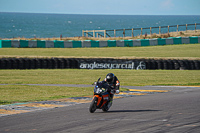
129 111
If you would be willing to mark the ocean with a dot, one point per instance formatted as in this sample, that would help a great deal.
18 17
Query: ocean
30 25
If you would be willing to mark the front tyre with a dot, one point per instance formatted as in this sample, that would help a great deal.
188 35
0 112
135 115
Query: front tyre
93 105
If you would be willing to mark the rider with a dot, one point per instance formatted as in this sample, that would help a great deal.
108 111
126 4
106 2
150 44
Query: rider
114 84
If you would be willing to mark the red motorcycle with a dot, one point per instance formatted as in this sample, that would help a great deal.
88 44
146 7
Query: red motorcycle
101 97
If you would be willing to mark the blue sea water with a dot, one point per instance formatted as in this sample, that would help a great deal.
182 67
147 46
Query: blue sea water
31 25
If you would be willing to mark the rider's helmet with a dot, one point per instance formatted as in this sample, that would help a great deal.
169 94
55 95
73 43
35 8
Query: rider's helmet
109 77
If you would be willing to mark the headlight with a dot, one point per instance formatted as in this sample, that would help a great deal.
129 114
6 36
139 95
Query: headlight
98 90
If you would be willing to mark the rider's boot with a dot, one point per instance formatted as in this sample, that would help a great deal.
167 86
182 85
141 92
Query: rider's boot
110 101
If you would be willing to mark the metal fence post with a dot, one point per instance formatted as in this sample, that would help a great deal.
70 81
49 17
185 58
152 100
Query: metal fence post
177 28
104 33
124 32
195 27
114 33
159 30
93 33
132 33
150 31
83 33
168 29
186 27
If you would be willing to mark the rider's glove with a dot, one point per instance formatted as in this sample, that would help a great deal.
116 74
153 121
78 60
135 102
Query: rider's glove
112 91
117 92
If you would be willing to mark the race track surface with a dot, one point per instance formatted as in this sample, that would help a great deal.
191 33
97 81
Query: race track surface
174 111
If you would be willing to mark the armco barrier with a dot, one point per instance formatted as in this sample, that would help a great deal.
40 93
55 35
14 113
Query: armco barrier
15 43
68 44
185 40
49 44
120 43
86 43
91 63
91 43
136 43
103 43
34 44
169 41
153 42
199 39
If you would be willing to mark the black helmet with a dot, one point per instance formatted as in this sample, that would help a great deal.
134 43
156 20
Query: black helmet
109 77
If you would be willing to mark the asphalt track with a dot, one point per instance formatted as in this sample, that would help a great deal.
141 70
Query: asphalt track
175 111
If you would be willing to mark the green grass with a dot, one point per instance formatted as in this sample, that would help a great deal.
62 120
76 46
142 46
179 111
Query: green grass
25 93
169 51
82 76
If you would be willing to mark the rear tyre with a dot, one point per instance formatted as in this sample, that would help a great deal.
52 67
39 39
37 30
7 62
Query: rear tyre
106 107
93 105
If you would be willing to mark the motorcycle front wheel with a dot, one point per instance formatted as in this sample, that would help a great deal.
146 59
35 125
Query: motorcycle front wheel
93 105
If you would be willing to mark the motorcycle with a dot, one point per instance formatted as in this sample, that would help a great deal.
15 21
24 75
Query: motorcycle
101 97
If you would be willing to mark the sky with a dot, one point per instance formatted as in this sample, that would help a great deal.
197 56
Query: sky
108 7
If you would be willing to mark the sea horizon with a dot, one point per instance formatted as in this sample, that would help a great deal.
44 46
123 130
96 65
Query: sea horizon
48 25
100 14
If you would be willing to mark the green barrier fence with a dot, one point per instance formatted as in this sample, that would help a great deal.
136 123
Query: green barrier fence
77 44
177 40
98 43
194 39
41 44
58 44
111 43
94 43
23 43
0 43
6 43
128 43
145 42
161 41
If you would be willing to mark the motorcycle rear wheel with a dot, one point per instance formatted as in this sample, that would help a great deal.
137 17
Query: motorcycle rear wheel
105 107
93 105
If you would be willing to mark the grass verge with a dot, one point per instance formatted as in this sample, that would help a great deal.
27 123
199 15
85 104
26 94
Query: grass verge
24 93
82 76
185 51
21 93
